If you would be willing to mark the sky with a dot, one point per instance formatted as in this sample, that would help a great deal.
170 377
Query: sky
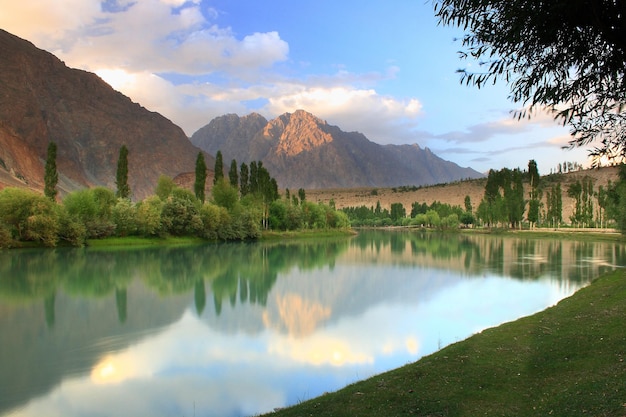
385 69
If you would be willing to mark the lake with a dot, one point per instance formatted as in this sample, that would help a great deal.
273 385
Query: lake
239 329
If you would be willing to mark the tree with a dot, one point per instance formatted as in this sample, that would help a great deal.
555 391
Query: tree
51 176
121 177
468 204
582 193
554 209
616 200
28 215
233 175
566 56
253 184
200 183
534 204
397 211
224 194
219 167
244 180
180 214
164 187
93 208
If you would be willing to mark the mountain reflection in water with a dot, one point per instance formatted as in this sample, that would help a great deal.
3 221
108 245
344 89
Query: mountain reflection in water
239 329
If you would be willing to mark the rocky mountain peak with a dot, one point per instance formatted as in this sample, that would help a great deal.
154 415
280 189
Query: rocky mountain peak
298 132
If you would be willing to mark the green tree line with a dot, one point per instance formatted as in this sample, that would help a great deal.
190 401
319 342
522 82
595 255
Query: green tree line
237 210
437 215
507 203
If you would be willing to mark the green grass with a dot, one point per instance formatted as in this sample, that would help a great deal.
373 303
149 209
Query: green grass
136 241
568 360
304 234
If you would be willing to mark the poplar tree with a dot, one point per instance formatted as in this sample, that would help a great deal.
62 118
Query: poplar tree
51 177
200 183
121 178
244 179
219 167
254 178
233 175
534 203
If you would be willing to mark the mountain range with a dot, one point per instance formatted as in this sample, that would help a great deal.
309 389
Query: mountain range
301 150
43 101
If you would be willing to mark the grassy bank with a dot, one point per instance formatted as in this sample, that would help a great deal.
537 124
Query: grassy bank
304 234
136 241
568 360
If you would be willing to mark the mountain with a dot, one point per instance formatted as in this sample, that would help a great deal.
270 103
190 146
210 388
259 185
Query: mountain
43 100
303 151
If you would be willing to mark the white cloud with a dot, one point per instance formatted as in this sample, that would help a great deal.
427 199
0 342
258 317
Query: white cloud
145 35
46 22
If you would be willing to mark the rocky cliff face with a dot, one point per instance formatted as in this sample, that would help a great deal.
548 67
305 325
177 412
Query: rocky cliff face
301 150
42 100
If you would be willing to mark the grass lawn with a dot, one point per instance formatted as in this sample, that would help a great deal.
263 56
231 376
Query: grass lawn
568 360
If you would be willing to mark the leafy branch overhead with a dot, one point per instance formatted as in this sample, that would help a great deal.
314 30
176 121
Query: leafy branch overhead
566 56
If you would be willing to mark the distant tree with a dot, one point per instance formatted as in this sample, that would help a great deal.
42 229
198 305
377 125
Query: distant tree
603 200
467 218
534 203
199 185
468 204
51 176
253 182
219 167
554 206
244 179
514 196
582 193
233 174
567 56
121 178
492 208
533 174
302 195
397 211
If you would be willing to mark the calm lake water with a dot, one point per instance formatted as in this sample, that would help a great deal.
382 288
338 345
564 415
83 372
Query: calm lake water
240 329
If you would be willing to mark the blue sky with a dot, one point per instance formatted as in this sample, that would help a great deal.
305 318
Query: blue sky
381 68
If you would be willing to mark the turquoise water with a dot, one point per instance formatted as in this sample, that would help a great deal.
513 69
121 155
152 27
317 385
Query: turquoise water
240 329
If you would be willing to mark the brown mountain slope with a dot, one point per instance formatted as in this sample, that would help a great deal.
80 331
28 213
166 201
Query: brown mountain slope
303 151
42 100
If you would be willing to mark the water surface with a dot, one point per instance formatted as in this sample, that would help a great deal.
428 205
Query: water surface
240 329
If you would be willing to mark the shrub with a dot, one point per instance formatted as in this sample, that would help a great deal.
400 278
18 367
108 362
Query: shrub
125 217
5 236
148 216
